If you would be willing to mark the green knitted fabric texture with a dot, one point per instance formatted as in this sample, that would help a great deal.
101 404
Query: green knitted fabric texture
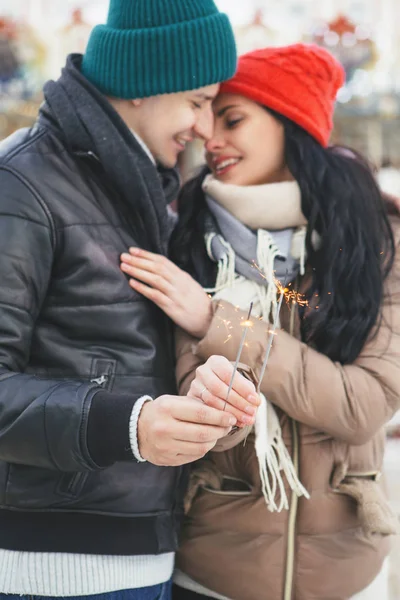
151 47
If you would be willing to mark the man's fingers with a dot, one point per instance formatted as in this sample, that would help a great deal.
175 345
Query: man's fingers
198 434
177 460
196 412
196 450
186 458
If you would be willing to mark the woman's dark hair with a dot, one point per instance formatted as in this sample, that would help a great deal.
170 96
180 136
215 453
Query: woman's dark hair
343 204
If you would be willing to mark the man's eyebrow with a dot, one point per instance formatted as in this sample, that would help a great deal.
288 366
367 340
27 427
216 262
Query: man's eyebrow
223 110
204 96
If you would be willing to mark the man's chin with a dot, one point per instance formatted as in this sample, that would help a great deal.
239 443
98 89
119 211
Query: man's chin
167 160
167 163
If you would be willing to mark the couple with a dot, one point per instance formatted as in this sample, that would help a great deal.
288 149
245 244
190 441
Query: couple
94 440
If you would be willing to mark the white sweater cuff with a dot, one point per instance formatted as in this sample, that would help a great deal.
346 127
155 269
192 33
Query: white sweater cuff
133 427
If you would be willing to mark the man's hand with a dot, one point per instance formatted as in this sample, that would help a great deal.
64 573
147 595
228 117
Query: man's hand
173 290
174 431
211 386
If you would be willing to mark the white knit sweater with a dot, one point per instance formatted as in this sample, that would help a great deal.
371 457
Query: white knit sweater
39 574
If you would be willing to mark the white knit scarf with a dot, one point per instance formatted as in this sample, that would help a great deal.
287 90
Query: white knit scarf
263 208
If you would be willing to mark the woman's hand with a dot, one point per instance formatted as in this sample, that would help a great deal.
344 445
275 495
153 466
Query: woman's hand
173 290
211 386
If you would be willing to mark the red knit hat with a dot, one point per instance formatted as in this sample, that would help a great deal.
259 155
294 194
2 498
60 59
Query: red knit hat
300 82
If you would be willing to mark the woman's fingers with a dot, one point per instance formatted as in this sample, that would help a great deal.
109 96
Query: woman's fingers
212 384
157 262
235 404
173 290
223 369
151 256
157 282
156 296
159 265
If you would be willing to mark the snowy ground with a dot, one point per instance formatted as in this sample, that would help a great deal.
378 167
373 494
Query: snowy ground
392 470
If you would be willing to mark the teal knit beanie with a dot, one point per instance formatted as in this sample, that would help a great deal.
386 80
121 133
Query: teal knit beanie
151 47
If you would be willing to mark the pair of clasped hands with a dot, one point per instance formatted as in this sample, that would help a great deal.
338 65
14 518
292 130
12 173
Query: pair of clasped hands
175 430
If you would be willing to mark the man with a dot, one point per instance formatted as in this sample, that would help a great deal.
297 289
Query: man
81 511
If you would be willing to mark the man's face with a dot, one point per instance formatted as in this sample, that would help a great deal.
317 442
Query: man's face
166 123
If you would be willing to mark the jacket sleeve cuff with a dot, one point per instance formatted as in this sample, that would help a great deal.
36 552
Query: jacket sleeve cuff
108 439
133 427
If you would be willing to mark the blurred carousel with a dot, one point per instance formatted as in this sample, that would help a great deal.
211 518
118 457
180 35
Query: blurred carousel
36 35
30 53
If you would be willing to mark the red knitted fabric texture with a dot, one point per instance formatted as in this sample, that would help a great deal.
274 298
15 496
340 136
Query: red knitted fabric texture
299 81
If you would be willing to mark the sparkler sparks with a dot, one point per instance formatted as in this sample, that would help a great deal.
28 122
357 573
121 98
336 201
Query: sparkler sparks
290 295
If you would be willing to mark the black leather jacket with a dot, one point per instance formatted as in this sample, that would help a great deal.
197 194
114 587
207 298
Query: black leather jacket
77 348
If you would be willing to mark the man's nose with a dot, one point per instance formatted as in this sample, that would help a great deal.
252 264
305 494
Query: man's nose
204 126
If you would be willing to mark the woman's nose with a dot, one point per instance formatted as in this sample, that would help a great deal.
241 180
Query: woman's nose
215 143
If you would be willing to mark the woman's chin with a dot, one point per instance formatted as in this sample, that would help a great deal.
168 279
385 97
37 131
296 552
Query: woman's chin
230 177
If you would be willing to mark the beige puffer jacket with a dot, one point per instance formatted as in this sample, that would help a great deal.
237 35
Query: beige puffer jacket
332 417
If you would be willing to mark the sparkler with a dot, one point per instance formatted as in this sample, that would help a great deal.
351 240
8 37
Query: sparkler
290 295
246 324
272 332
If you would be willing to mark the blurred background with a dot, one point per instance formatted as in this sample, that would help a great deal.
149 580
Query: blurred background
36 36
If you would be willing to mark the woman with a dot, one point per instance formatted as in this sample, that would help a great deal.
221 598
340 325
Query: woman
298 511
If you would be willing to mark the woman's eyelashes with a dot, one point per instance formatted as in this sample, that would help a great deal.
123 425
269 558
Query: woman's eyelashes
231 123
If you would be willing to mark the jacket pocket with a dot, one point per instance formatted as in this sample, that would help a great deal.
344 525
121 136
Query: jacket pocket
230 486
372 507
206 478
102 372
71 485
374 512
31 488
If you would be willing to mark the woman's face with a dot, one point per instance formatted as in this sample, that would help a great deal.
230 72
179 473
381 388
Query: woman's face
247 147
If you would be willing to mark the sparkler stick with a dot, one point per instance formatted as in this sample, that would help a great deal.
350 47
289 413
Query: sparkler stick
272 334
246 326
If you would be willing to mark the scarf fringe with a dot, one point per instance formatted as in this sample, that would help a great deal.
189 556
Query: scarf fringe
298 249
226 274
273 458
267 251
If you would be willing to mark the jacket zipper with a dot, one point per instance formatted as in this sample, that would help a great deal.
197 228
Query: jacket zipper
76 483
365 474
100 380
294 501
